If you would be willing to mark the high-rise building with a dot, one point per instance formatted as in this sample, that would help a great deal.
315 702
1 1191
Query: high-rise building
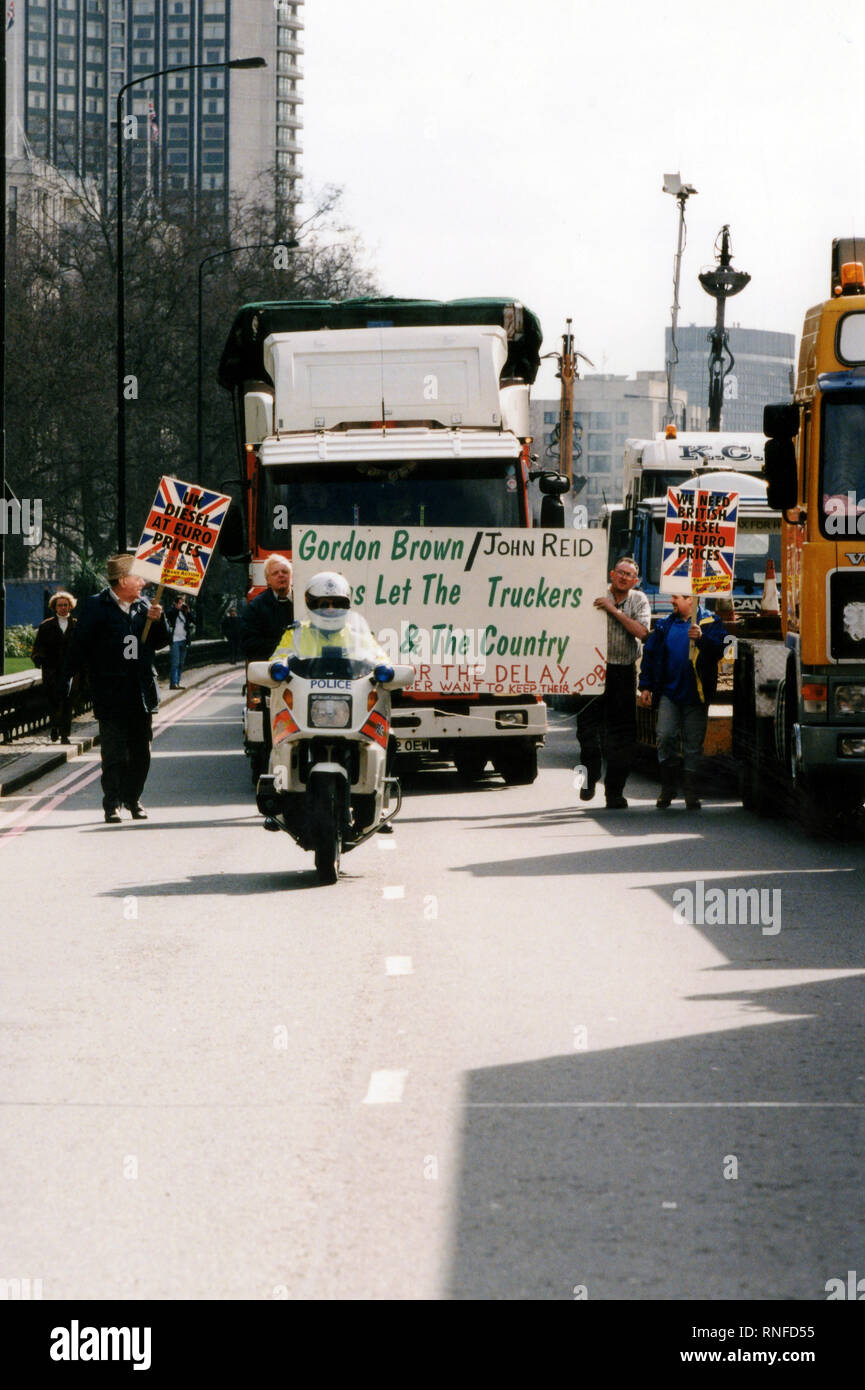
608 410
760 374
213 131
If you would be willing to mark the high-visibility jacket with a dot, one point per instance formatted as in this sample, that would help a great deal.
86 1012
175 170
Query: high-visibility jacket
354 640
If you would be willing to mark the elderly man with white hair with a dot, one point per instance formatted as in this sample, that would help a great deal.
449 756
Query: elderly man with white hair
268 615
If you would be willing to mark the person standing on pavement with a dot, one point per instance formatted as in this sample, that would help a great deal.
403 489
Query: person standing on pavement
180 625
679 676
49 653
108 643
607 723
231 632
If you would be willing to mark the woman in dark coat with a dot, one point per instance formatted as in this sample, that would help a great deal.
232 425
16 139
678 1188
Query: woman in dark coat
49 652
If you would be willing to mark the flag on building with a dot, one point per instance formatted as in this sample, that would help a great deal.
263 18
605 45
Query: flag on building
151 116
10 14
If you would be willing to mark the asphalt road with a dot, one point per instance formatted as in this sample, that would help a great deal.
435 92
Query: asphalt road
495 1061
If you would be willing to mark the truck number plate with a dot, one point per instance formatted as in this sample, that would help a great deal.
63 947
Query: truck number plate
414 745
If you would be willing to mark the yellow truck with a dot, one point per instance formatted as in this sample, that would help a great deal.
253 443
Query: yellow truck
799 695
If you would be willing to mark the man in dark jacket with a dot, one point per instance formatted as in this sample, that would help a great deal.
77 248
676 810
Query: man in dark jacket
108 644
265 619
679 676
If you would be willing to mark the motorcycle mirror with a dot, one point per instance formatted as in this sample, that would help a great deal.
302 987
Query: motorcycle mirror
259 673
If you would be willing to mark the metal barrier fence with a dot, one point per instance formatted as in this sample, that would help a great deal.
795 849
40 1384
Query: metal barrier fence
23 707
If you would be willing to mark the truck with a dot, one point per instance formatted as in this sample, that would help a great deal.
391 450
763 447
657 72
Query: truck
799 692
392 412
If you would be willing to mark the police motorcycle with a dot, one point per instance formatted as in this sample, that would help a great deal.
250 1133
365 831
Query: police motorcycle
327 783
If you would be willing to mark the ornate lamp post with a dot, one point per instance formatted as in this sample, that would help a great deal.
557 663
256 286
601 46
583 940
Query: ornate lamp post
721 283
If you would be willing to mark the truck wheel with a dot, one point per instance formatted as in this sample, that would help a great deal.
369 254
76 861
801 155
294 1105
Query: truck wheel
470 765
518 765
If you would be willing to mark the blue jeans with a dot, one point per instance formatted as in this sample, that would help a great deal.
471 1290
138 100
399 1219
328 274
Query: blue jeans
688 720
178 656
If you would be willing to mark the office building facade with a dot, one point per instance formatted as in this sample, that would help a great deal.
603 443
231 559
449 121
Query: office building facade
212 131
760 374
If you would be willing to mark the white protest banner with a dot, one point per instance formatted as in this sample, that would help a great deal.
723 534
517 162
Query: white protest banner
699 542
504 612
179 535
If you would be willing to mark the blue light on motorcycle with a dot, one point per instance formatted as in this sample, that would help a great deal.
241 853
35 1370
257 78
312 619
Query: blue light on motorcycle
279 671
383 673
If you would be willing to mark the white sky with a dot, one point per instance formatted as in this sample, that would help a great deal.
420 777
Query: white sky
518 147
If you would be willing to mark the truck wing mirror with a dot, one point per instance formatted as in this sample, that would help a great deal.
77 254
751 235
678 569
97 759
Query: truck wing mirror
779 470
781 421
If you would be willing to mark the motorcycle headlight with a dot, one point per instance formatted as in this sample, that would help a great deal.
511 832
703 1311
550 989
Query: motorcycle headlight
329 711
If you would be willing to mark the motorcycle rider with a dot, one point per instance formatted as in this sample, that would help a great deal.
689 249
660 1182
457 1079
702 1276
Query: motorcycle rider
330 626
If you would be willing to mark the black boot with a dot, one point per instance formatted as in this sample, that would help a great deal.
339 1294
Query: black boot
692 800
669 772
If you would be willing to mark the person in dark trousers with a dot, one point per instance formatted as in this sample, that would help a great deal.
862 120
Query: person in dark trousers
107 643
607 723
231 632
679 677
49 654
180 625
262 624
265 619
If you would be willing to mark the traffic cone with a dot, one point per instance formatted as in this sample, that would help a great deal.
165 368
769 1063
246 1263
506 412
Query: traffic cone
769 604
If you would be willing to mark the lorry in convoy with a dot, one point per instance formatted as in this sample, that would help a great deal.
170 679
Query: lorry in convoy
724 462
799 693
392 412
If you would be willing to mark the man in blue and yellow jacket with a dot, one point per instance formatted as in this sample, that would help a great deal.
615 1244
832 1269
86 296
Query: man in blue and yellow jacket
679 676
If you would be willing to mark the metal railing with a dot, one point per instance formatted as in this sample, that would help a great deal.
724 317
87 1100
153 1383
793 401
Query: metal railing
24 709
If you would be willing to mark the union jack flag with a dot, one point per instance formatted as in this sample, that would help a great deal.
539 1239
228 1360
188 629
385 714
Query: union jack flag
151 116
159 557
10 14
699 541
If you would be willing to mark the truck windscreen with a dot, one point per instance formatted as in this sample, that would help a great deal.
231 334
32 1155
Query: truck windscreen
842 483
480 493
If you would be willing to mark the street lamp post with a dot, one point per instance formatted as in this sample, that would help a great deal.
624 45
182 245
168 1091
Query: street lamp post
121 289
721 283
681 192
290 245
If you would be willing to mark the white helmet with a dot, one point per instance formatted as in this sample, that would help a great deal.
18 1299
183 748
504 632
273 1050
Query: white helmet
328 598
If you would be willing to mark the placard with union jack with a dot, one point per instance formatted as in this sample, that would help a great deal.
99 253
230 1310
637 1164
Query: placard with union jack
699 541
179 535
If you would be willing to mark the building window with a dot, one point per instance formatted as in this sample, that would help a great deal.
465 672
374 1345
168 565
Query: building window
94 79
549 417
142 7
143 58
178 55
215 107
36 100
180 108
599 420
621 417
178 31
37 49
214 31
117 33
600 463
600 442
214 181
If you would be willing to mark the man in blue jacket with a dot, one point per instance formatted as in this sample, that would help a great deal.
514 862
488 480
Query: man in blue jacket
679 676
107 643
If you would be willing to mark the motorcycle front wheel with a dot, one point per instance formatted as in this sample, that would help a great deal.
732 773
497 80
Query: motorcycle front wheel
327 836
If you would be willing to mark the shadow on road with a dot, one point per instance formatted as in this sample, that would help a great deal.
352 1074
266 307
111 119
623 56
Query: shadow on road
717 1166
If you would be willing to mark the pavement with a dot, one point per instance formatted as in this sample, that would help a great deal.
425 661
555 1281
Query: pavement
29 758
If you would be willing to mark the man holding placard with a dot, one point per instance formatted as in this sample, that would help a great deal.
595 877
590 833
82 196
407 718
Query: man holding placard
679 672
